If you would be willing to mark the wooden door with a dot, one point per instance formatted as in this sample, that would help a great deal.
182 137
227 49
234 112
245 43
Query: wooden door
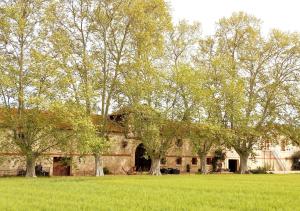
61 167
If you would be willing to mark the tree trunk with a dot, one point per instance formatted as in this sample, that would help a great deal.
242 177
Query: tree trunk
155 167
98 166
30 166
243 163
203 164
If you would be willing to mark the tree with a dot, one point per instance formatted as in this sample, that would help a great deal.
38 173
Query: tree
69 32
182 81
156 133
250 78
37 132
23 84
29 77
204 138
289 126
187 86
181 42
126 32
96 144
291 132
20 47
98 42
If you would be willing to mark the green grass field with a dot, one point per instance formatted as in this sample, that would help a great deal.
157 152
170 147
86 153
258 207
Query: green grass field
182 192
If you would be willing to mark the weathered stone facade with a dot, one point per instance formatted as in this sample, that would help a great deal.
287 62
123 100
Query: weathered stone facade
121 158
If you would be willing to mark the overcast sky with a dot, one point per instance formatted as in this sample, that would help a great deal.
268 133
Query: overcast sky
281 14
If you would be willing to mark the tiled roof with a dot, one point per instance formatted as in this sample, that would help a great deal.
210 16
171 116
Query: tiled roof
111 126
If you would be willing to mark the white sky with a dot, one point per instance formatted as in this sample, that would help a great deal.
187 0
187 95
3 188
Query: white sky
281 14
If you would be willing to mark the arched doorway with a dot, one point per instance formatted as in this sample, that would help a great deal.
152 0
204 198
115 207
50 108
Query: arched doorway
141 163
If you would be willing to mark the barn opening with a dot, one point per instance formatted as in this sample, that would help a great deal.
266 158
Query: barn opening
61 166
142 161
233 165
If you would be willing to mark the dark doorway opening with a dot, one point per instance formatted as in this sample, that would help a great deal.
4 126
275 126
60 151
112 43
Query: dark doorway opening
61 166
141 162
233 165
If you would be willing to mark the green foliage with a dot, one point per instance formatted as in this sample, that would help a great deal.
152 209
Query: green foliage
71 51
203 137
219 156
291 132
261 170
156 132
35 132
249 79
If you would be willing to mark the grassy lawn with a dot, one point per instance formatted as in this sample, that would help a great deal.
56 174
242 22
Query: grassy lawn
183 192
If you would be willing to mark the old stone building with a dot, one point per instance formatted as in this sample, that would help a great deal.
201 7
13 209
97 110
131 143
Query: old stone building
128 153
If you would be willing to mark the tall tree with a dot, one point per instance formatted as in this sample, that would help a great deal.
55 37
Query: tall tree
97 43
29 77
126 32
183 85
249 78
36 132
25 79
20 42
156 132
70 32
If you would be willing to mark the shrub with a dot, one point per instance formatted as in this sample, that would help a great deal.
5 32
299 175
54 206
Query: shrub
259 170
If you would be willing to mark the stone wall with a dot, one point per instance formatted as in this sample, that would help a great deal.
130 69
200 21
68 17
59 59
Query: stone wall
121 158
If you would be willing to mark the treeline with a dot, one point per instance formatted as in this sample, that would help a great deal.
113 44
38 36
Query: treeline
61 61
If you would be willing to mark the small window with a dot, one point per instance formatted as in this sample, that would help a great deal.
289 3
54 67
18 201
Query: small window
208 161
21 135
261 145
283 145
163 161
178 161
124 144
179 142
194 161
267 145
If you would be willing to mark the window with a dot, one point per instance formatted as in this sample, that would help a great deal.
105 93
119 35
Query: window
21 135
163 161
124 144
261 145
283 145
178 161
179 142
265 145
194 161
208 161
